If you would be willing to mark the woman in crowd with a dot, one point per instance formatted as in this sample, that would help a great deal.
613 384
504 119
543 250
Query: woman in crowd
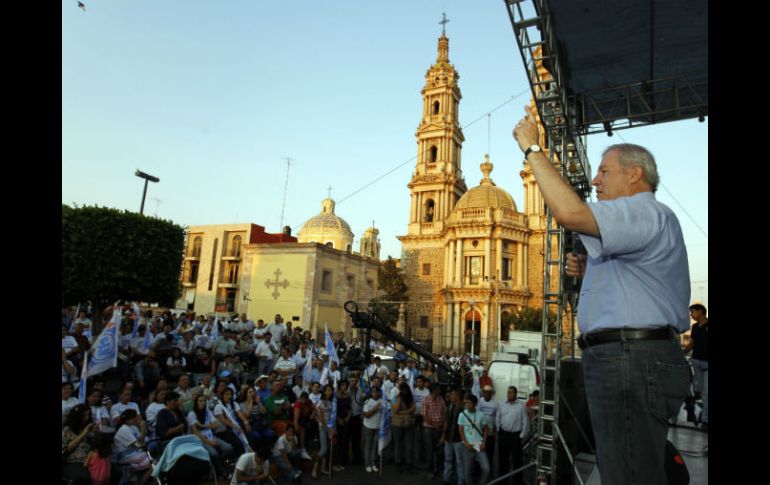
99 413
129 446
303 421
223 411
74 446
68 401
403 423
202 424
343 425
325 432
254 415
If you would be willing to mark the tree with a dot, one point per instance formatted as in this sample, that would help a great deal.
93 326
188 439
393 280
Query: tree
528 319
391 284
108 254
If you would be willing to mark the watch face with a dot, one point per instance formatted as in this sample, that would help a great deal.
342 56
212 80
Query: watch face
535 148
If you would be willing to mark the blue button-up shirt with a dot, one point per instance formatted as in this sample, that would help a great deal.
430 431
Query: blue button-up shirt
637 275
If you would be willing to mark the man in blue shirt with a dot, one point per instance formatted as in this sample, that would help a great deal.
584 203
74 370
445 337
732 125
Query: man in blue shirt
633 302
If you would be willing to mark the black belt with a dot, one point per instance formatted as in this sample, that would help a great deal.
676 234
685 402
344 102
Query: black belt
608 336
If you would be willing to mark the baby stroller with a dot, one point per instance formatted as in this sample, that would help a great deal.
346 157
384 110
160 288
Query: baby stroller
184 462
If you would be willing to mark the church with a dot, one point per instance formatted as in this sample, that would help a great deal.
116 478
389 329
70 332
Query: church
470 256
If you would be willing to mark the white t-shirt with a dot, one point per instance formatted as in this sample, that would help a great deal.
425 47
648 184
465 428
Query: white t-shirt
329 377
247 465
119 407
277 330
125 437
315 398
151 412
68 343
284 444
263 349
65 376
68 404
219 410
375 420
286 364
301 361
419 397
258 332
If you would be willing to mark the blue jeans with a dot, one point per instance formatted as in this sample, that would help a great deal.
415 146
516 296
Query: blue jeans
481 457
288 471
218 453
403 441
701 385
633 388
453 452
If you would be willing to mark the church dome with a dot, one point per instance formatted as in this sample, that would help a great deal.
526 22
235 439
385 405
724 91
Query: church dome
486 194
326 227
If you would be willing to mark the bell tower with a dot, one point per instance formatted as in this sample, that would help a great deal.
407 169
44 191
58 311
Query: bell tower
437 181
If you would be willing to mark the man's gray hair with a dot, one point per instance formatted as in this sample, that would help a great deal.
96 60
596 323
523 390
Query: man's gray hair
631 155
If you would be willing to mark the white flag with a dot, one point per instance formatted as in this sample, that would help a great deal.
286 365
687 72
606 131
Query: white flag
105 348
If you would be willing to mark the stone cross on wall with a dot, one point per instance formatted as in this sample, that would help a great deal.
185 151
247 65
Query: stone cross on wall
276 283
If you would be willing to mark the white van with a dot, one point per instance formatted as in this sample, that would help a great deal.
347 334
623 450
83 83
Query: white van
513 369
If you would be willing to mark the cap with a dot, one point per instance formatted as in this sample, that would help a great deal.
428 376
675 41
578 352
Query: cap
488 388
262 377
225 373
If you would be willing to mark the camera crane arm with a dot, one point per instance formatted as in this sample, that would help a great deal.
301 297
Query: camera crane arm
372 321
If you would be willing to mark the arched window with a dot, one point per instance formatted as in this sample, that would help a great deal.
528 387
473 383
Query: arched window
236 248
430 207
196 251
330 244
436 106
433 154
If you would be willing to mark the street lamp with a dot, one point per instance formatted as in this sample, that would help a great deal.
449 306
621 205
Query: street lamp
472 302
147 178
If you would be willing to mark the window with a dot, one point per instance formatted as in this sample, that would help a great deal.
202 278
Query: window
433 154
193 272
349 248
430 208
236 248
196 250
351 285
329 244
326 281
423 322
213 264
426 269
506 269
474 263
233 276
436 106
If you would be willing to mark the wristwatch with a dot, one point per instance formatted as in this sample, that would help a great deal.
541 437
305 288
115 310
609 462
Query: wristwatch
533 148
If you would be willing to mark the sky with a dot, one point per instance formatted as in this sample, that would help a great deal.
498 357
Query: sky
212 97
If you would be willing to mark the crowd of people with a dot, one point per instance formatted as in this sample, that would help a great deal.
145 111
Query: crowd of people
256 393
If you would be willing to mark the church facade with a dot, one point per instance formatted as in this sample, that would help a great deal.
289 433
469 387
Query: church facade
469 255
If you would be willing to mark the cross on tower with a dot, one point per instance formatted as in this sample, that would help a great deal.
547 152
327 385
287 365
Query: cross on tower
443 23
329 188
276 283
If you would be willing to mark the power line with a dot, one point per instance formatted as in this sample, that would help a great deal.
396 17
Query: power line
414 157
675 200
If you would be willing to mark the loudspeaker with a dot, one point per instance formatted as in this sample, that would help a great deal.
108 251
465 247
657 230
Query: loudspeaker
573 416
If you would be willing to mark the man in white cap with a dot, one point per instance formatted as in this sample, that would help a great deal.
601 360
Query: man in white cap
490 407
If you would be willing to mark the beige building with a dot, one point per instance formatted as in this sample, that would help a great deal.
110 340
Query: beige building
469 256
240 268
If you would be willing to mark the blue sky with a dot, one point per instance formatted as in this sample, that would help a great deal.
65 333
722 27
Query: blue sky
212 96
